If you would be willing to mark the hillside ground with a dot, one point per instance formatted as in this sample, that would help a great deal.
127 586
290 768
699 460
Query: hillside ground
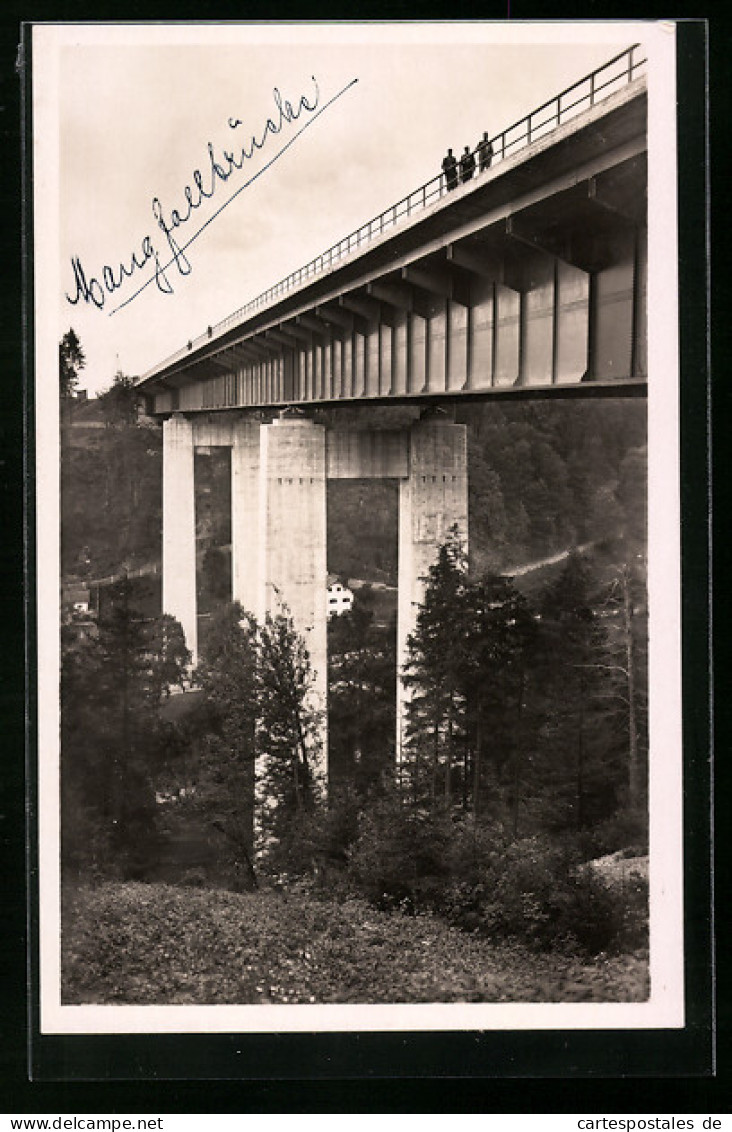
141 943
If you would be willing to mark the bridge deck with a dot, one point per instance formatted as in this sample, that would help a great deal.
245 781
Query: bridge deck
530 277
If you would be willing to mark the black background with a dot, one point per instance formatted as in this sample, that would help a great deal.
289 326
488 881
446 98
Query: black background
631 1072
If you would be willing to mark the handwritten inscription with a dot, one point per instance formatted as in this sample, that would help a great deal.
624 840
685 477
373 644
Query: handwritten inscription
168 258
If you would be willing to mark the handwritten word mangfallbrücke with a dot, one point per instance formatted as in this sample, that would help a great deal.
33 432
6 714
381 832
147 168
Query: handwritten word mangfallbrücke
96 289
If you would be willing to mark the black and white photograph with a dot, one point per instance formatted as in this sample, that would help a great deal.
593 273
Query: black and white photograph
357 491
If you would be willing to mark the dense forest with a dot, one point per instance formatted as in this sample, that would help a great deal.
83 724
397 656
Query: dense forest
524 750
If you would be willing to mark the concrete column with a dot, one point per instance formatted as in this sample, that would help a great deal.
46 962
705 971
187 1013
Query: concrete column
179 528
245 498
431 500
292 523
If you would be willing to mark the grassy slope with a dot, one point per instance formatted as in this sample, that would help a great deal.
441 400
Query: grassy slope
139 943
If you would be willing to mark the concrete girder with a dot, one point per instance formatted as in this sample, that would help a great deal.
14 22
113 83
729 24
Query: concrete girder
471 260
401 295
218 361
595 193
205 368
261 347
495 256
355 454
577 226
530 256
440 281
181 378
622 188
280 337
243 354
336 316
311 322
296 335
364 305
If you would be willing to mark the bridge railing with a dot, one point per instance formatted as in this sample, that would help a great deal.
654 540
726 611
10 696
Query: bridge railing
573 100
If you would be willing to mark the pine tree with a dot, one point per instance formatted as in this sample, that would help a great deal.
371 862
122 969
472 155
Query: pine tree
224 778
499 633
433 677
624 665
576 765
71 361
361 699
112 737
287 734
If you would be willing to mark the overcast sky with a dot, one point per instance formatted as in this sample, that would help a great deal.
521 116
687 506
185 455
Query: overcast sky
136 114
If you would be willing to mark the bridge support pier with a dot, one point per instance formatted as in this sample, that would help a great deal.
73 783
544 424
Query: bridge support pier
432 498
179 528
246 582
292 543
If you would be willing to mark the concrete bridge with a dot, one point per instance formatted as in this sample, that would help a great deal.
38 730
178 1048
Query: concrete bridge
529 280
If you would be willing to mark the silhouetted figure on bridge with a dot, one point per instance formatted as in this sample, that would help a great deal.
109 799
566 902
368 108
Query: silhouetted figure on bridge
450 169
467 165
485 152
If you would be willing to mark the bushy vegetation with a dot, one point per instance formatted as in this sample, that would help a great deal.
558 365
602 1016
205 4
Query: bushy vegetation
111 488
114 740
478 878
158 944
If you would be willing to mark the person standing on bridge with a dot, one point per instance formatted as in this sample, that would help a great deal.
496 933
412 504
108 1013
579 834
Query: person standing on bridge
485 152
450 169
467 165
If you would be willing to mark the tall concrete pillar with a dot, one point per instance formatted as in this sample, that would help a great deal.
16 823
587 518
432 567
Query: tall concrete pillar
292 523
179 528
432 498
246 581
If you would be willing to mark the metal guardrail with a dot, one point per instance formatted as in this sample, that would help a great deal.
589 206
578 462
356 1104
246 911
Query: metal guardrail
585 93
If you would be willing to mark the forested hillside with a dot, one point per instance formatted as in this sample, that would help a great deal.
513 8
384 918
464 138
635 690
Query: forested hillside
111 484
543 478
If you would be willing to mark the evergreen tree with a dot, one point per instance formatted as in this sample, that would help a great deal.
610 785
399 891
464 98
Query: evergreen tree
224 779
86 831
577 763
433 677
120 402
361 698
499 632
467 671
71 361
112 737
287 735
623 663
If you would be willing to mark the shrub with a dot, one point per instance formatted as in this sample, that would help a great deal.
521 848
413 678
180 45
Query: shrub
534 889
313 843
194 878
400 858
626 829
